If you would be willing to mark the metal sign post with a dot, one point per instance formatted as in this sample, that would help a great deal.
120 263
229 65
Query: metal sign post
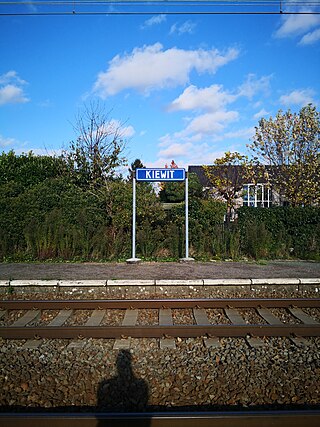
158 175
187 258
133 260
187 217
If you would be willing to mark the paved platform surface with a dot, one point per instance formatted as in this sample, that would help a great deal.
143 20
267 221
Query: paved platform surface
157 270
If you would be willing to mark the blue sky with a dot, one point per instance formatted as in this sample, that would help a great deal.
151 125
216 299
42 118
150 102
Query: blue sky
183 87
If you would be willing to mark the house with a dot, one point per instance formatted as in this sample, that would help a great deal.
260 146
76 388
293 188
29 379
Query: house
247 193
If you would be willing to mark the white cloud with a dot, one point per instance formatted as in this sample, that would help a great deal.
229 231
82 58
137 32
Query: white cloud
245 133
187 27
124 131
195 153
211 121
300 97
151 68
11 77
160 162
166 140
127 131
11 91
293 25
19 147
310 38
207 125
299 24
193 145
154 20
215 117
253 85
11 94
257 104
6 142
116 127
176 150
214 97
261 113
47 103
211 98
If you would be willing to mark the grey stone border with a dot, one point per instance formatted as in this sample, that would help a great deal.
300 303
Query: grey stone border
253 284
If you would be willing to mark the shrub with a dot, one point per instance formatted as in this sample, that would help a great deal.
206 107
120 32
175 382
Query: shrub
280 231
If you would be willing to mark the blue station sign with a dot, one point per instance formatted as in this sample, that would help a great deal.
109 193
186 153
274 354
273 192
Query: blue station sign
166 174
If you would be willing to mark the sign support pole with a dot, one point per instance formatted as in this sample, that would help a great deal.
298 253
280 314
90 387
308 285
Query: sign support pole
187 216
134 210
133 260
187 258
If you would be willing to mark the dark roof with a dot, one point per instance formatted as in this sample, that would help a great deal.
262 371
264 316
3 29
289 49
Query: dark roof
204 181
199 171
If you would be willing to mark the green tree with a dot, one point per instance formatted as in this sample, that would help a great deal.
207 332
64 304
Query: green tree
99 148
174 192
227 176
288 148
137 164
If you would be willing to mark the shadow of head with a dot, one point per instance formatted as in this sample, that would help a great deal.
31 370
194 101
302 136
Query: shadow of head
124 363
125 391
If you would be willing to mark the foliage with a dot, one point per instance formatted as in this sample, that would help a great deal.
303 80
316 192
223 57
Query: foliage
194 186
280 232
98 150
137 164
49 220
25 170
174 192
288 148
226 176
204 216
57 219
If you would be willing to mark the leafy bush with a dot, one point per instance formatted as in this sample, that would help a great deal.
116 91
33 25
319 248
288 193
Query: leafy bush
204 216
26 170
280 231
53 219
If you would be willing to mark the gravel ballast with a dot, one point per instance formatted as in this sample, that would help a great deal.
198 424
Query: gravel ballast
276 374
95 377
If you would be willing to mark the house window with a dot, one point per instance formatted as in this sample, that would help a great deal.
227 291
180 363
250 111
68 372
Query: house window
259 195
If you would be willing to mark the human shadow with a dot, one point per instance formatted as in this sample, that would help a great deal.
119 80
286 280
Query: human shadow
124 392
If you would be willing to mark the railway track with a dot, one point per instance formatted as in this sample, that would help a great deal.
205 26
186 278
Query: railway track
292 320
183 419
169 320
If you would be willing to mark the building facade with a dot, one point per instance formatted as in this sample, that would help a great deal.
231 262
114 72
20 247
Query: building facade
250 194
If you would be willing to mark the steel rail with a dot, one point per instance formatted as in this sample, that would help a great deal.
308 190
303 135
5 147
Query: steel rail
296 418
159 331
160 303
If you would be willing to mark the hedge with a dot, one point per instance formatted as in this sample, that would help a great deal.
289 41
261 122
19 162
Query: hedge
280 232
